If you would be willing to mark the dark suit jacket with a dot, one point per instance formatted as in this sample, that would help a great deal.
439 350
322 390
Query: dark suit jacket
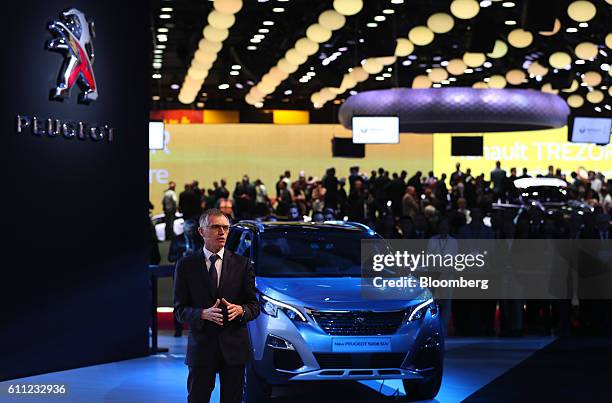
193 292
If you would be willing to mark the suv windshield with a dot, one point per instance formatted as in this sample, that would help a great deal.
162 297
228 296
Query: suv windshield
544 194
310 253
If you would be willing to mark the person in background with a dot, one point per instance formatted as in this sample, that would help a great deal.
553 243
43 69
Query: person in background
431 180
357 201
525 174
457 175
551 172
221 191
498 179
444 244
169 205
330 183
261 199
410 204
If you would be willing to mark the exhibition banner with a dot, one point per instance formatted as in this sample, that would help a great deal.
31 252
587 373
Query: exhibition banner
534 150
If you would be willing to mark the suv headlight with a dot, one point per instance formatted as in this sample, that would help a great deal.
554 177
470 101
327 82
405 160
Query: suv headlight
271 307
418 311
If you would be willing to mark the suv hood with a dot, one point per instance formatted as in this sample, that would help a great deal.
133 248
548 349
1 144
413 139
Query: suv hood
331 293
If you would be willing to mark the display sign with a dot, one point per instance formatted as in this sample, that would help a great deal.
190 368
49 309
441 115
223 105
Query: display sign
361 344
591 130
534 150
156 136
375 129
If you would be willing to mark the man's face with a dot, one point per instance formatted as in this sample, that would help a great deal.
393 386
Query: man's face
215 232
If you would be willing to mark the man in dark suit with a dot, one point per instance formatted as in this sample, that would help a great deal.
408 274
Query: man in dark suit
214 291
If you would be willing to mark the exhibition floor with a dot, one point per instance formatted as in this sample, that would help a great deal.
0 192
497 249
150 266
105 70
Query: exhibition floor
470 364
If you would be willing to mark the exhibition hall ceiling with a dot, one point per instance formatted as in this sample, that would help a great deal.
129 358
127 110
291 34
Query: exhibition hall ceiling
308 54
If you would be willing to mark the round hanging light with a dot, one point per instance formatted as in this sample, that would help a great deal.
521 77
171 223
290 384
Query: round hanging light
205 58
440 23
256 92
592 78
519 38
586 50
421 35
372 66
595 96
575 101
359 74
421 82
266 87
480 85
609 40
332 20
214 34
191 84
547 88
207 46
499 50
348 82
581 11
250 99
348 7
385 61
197 74
437 74
278 74
474 59
456 67
537 69
515 76
221 20
610 91
306 47
228 6
404 47
318 33
200 66
573 87
284 65
270 79
497 81
555 29
327 94
295 57
560 60
186 99
465 9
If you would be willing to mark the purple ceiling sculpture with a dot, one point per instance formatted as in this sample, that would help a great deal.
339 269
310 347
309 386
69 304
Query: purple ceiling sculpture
459 110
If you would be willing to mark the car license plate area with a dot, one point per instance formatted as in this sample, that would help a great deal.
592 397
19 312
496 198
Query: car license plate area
361 344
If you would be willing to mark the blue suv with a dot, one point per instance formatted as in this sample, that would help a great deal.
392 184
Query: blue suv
314 323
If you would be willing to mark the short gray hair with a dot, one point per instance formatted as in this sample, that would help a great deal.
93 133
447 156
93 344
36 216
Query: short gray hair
210 212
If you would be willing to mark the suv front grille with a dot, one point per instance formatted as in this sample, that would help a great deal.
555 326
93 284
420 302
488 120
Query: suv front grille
358 323
371 360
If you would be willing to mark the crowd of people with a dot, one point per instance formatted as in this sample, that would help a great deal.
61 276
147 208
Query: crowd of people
398 206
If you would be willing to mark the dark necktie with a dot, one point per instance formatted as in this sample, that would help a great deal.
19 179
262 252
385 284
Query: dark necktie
212 272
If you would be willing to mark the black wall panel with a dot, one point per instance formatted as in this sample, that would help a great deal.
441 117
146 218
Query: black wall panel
74 285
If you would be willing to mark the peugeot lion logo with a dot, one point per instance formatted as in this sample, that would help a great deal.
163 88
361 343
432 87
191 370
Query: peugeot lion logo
359 320
73 36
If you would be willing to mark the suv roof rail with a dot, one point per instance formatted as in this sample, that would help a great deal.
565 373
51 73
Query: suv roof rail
254 223
351 223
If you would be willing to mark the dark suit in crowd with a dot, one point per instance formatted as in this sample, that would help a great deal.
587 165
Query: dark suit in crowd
213 348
